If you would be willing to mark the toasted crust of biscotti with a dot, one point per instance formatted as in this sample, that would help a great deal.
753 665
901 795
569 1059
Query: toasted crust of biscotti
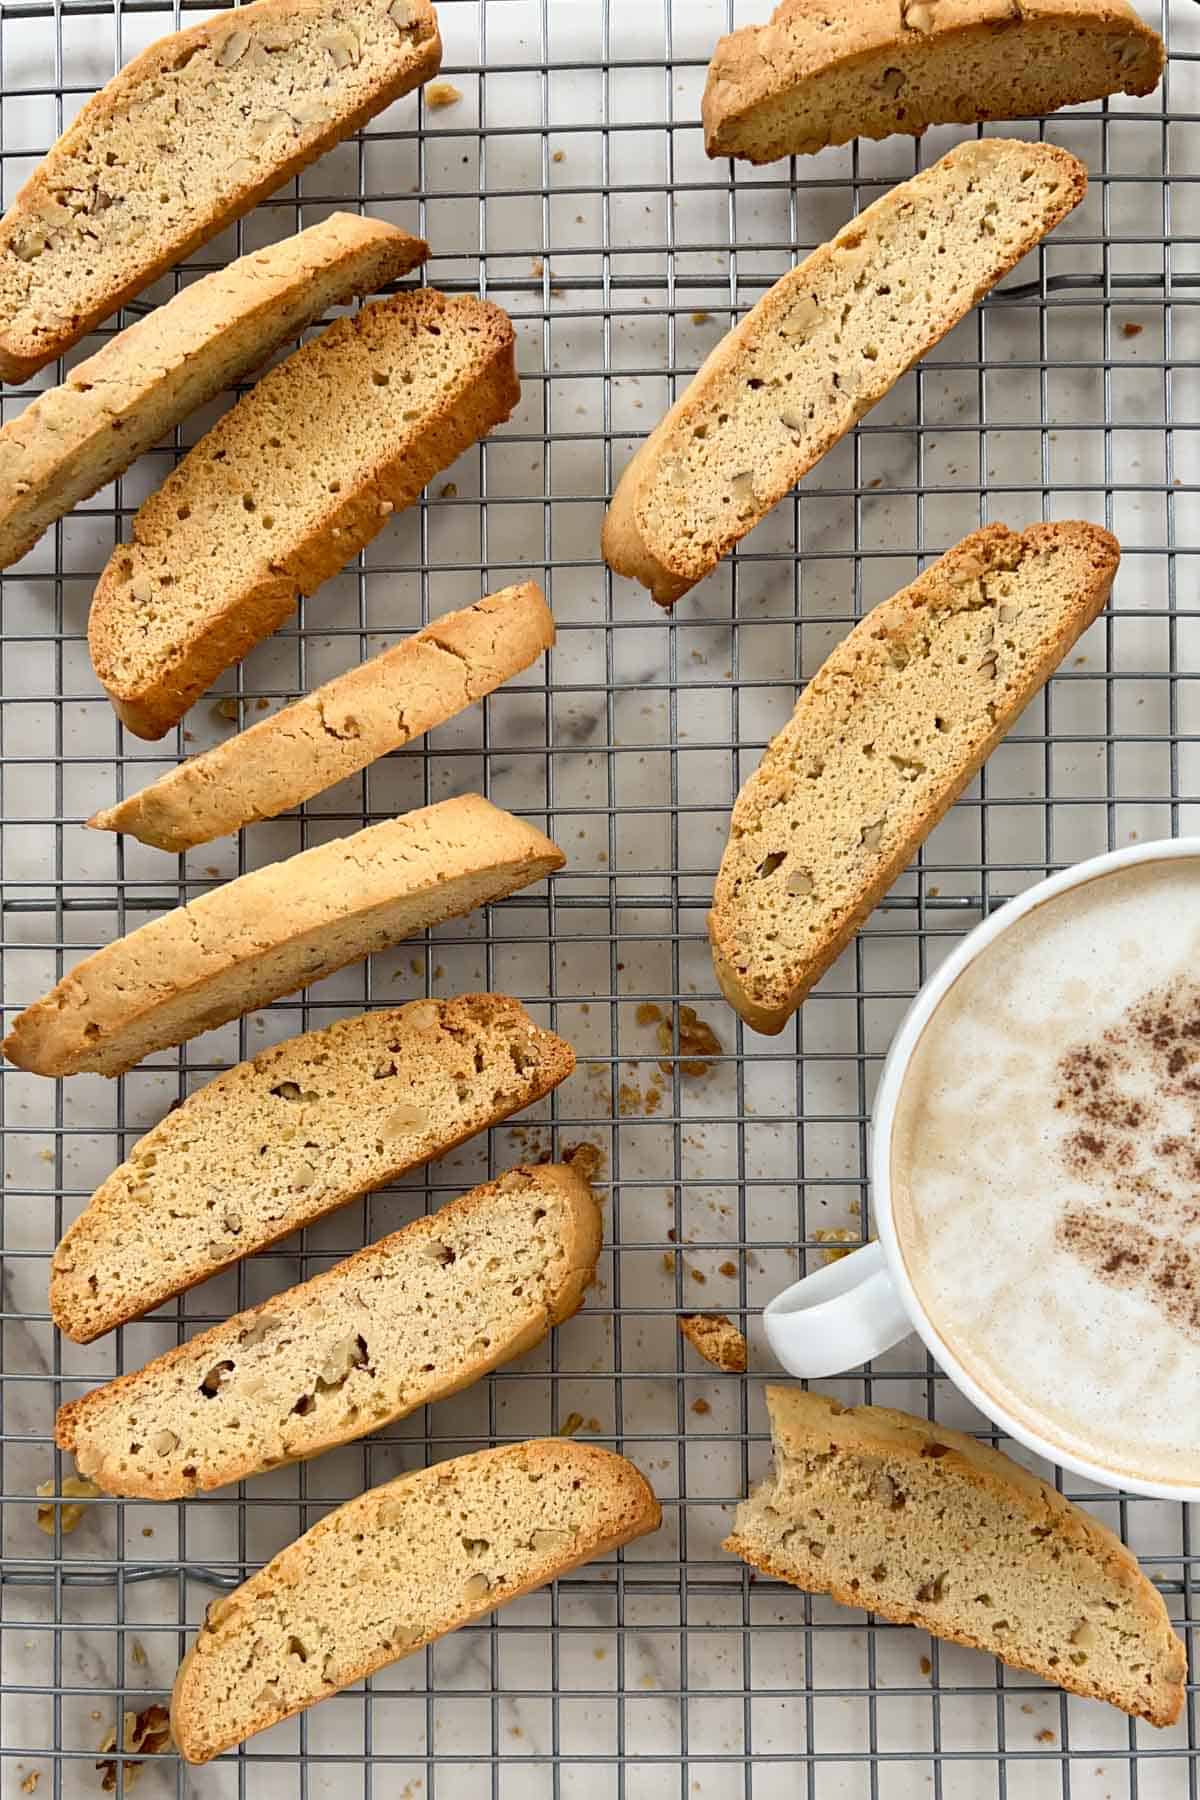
926 1527
883 740
409 1320
818 75
822 347
274 931
73 439
303 472
395 1569
299 1131
341 727
189 136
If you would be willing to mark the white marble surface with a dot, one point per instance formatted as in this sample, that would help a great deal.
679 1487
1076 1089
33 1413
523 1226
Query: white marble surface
662 1673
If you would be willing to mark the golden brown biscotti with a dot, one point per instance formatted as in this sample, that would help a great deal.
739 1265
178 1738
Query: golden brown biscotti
717 1339
926 1527
395 1569
407 1321
822 347
303 472
883 740
73 439
274 931
189 136
341 727
273 1144
819 74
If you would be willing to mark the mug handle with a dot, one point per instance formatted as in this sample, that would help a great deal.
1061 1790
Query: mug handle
839 1317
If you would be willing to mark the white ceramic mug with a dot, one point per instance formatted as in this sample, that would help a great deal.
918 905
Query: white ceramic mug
864 1303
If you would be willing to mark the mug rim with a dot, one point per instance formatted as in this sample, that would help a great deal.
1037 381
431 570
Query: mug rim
883 1118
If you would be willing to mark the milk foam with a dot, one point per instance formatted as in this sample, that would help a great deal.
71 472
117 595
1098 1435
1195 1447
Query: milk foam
1048 1211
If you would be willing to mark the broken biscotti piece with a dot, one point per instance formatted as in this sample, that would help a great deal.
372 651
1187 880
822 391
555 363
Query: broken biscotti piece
407 1321
276 930
883 740
73 439
395 1569
717 1339
819 75
189 136
342 727
926 1527
276 1143
290 485
822 347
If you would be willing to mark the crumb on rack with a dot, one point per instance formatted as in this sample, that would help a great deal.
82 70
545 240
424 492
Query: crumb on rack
717 1339
844 1241
571 1424
648 1013
74 1487
698 1043
442 93
149 1730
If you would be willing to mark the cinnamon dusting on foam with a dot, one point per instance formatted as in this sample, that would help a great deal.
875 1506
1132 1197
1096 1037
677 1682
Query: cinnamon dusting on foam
1136 1091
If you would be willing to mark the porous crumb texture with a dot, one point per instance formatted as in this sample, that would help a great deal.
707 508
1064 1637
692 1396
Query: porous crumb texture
883 740
394 1569
407 1321
717 1339
819 75
304 471
275 930
926 1527
273 1144
822 347
72 440
188 137
342 727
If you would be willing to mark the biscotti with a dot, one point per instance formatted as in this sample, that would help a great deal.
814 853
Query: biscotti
73 439
304 471
276 1143
883 739
821 74
395 1569
342 727
275 930
407 1321
822 347
926 1527
189 136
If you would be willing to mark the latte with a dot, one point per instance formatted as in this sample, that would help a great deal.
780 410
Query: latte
1045 1169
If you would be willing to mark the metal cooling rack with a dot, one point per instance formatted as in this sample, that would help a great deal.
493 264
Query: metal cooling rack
569 183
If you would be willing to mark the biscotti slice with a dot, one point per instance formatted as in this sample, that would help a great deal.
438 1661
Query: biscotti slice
821 74
393 1570
883 740
303 472
342 727
189 136
73 439
276 930
926 1527
276 1143
415 1317
822 347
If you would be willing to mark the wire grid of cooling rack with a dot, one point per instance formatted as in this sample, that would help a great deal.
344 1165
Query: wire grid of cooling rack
569 183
